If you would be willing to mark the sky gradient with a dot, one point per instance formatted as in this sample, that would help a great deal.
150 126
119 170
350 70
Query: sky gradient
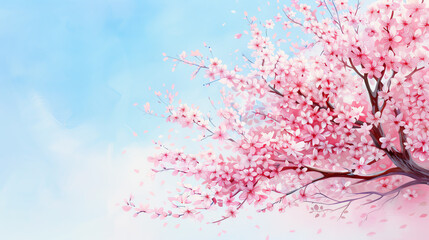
70 73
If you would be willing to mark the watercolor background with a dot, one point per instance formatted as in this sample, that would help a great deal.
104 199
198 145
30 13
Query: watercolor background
70 72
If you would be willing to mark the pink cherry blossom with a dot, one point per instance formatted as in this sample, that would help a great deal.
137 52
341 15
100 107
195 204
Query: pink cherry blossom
343 121
410 194
387 142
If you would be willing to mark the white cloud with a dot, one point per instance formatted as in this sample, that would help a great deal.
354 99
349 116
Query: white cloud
91 177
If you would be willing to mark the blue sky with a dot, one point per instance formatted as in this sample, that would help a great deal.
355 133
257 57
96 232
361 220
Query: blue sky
70 73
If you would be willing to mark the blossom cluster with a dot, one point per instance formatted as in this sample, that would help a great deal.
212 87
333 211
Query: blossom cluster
349 112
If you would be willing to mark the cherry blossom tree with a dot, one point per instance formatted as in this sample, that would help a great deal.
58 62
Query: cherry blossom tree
343 121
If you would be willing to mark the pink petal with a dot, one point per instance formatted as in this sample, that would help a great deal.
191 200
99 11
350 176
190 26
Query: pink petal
126 208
